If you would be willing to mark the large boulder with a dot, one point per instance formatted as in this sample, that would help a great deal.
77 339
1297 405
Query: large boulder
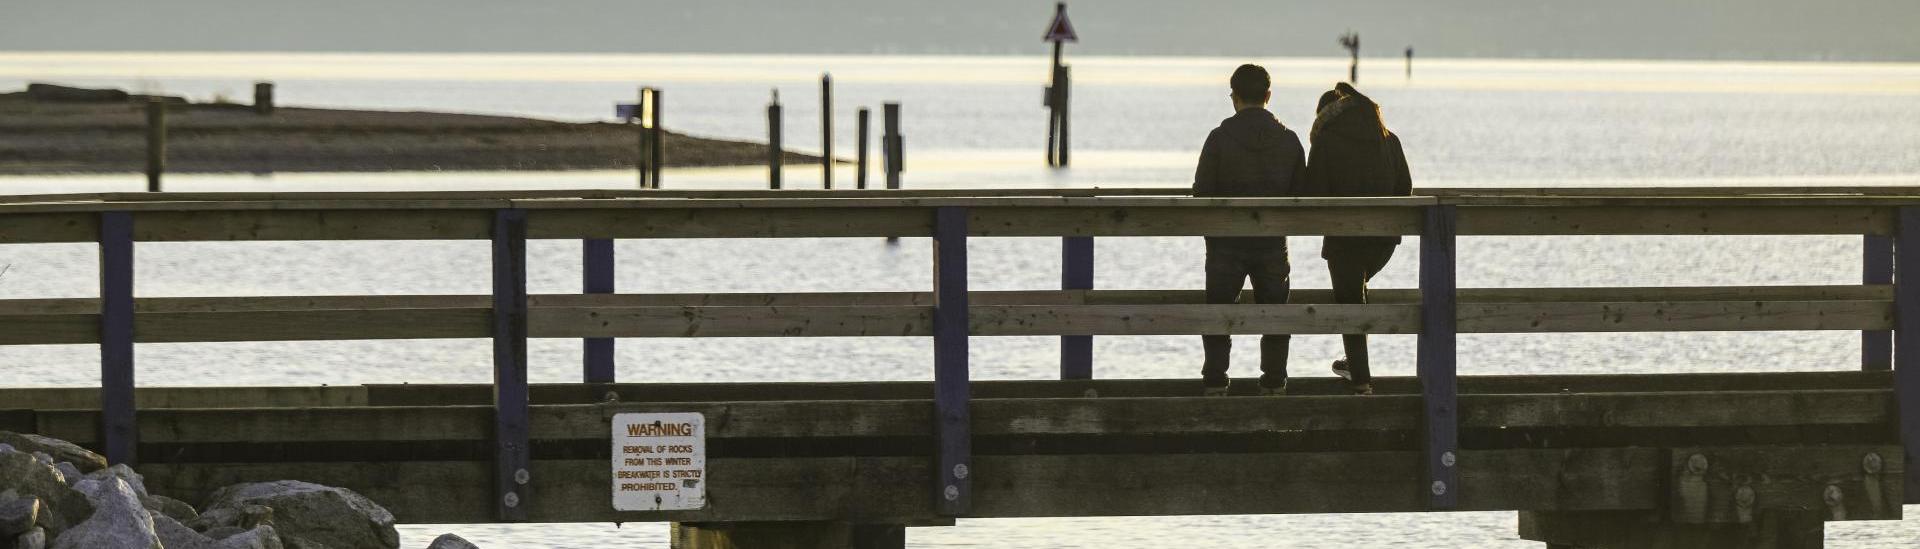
62 506
17 514
33 539
450 541
175 535
172 508
310 515
233 518
118 521
60 450
123 472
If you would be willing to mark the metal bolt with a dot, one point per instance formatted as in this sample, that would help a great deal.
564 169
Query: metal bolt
953 493
1871 463
1832 496
520 476
511 499
1446 458
1439 487
1697 464
960 471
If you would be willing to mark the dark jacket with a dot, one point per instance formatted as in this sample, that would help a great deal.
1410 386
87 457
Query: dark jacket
1250 154
1354 155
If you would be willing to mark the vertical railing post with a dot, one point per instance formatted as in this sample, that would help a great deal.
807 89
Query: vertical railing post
596 277
1436 366
1876 267
1906 341
510 407
118 433
953 481
1076 273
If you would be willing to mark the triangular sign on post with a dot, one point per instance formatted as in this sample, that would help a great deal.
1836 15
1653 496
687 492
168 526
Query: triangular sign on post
1060 30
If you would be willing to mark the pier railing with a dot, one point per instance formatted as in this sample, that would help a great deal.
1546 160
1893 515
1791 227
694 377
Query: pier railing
951 313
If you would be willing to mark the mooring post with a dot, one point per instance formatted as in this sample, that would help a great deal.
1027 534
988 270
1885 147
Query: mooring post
891 144
1906 341
826 131
510 406
1064 82
644 162
1876 346
118 432
659 131
156 142
1076 273
860 170
1436 366
953 482
263 98
596 277
774 149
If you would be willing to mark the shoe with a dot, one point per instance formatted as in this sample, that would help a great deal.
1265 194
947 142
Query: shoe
1340 369
1215 391
1363 388
1274 391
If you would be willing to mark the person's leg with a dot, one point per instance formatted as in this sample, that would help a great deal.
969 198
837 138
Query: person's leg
1349 278
1270 272
1226 273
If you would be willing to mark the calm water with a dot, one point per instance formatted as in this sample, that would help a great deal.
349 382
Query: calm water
977 122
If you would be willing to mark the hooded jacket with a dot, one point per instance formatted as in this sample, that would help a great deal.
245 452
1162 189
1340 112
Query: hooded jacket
1251 154
1354 155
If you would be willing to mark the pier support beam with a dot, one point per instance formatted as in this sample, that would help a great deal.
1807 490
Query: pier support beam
952 424
1906 323
794 535
596 277
512 457
1436 366
1076 273
1645 530
1876 267
118 433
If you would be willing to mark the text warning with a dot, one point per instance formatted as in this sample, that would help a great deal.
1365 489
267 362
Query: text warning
659 462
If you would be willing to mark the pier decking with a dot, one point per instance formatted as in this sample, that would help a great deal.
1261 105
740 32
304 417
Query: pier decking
1728 459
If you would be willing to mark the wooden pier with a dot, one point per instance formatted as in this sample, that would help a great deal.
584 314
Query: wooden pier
1734 459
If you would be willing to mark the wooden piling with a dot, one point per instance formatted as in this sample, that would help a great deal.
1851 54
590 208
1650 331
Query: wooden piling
263 98
1065 110
860 167
892 144
826 131
659 137
156 142
774 147
643 162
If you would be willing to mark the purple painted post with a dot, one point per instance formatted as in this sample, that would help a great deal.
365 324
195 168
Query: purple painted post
596 277
953 480
1076 273
510 409
1436 356
1906 343
1876 346
119 434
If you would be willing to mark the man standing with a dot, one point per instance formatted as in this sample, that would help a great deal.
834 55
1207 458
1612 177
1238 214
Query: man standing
1250 154
1355 155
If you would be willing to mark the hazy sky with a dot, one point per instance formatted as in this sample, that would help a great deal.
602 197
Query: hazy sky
1696 29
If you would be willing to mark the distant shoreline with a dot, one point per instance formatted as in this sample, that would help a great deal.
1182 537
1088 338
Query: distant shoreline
43 137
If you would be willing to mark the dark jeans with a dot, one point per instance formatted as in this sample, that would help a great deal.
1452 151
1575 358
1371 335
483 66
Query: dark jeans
1228 268
1350 269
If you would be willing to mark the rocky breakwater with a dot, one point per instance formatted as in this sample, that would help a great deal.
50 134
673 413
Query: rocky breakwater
56 495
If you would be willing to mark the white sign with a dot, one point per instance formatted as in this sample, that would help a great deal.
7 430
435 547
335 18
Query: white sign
659 462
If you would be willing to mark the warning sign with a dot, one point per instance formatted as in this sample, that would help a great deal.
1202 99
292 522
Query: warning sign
659 462
1060 30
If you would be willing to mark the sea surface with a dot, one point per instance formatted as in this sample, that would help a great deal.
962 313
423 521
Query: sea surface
977 122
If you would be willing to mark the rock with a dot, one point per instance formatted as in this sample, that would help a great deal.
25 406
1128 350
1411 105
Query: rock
172 508
238 517
123 472
450 541
175 535
18 515
61 505
61 450
118 521
305 514
72 474
4 448
33 539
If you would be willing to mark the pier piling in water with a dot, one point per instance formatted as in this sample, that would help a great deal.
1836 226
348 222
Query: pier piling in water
892 143
826 131
156 142
263 98
773 141
860 167
659 132
643 162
